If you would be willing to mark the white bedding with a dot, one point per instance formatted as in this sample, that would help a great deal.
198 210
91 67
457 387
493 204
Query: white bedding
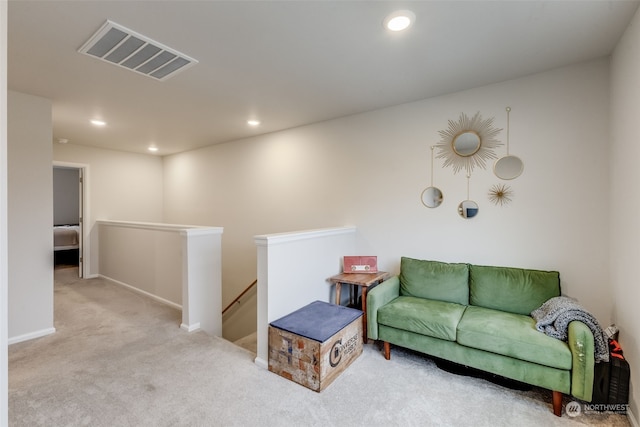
66 237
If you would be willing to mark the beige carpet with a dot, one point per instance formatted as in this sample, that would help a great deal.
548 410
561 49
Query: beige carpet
120 359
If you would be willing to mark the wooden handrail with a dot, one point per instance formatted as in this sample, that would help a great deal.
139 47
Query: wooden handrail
237 299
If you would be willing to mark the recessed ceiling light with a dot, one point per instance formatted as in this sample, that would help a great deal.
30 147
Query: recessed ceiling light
399 20
154 149
253 122
98 123
63 140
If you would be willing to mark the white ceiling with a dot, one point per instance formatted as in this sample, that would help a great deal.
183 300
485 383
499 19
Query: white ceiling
288 63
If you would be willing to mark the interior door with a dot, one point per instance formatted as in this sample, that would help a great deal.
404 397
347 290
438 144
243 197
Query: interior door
81 220
69 203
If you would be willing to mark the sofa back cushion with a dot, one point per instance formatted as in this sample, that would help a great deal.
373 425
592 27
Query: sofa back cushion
434 280
515 290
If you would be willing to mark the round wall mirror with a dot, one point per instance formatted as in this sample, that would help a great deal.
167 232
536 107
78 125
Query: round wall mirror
432 197
468 209
508 167
466 143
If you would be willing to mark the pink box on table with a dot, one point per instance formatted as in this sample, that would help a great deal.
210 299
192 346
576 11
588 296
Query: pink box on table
360 264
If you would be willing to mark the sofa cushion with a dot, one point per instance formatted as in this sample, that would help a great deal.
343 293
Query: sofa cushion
434 280
433 318
512 335
515 290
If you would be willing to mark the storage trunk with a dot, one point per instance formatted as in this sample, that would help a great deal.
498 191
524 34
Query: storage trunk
314 344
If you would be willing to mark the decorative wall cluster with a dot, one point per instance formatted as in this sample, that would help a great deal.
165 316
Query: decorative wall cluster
470 143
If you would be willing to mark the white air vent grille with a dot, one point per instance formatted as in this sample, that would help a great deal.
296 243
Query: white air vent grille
120 46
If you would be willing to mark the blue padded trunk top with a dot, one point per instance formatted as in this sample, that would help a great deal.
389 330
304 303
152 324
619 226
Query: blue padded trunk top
317 321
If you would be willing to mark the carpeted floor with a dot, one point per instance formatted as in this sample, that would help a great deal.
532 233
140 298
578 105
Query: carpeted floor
120 359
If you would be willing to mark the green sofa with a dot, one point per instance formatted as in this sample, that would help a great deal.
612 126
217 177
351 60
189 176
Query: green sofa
479 316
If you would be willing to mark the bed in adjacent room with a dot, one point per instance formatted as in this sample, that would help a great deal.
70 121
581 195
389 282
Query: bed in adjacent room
66 237
66 241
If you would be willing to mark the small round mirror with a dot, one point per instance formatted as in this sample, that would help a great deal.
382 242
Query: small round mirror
432 197
466 143
508 167
468 209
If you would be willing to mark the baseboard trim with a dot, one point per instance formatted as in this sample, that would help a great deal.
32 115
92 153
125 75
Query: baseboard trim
190 328
261 363
632 418
31 335
145 293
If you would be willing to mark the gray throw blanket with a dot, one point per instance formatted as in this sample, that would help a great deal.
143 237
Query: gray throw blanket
553 318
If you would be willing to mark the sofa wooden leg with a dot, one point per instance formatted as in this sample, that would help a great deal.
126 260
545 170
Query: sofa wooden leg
387 350
557 403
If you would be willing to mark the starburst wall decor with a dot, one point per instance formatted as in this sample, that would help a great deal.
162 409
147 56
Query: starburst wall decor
475 135
500 194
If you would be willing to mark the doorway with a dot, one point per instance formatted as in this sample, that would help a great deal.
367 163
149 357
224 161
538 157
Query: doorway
69 210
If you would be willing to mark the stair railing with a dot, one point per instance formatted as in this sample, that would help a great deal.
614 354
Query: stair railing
237 299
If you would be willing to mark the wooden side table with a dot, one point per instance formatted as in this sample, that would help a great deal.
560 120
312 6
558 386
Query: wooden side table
363 280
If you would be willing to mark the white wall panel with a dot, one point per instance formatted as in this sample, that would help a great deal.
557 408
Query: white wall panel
369 170
4 278
30 217
624 200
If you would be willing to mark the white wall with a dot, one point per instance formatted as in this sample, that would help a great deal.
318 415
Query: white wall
624 199
146 259
370 169
4 377
122 186
30 215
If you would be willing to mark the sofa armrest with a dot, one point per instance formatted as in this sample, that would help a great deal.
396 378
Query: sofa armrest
581 343
380 295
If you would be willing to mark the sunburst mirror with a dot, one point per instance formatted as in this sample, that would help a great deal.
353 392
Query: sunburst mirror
468 142
500 194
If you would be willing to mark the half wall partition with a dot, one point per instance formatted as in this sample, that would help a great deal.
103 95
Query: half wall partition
178 265
293 269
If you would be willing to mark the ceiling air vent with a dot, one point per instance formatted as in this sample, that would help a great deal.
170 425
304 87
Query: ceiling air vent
120 46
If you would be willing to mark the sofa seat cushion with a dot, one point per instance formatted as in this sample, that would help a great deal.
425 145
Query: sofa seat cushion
512 335
433 318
